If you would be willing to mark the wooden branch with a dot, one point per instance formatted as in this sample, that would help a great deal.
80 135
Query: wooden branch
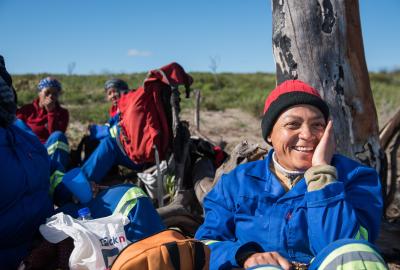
390 141
197 109
389 130
392 209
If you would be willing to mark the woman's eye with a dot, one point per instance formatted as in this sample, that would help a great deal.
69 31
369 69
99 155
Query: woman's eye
319 125
292 125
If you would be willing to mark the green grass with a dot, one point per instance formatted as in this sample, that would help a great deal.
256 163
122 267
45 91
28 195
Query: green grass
386 93
84 95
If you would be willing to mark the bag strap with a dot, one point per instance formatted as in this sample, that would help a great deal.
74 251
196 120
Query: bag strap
173 251
199 256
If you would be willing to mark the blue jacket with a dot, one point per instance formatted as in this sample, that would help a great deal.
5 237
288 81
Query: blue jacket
24 200
98 132
250 205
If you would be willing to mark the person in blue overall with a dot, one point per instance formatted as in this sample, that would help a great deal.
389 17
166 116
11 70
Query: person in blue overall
114 89
32 182
25 202
109 152
302 205
73 189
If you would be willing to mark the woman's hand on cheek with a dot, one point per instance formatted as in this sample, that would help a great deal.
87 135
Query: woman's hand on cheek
49 104
273 258
326 147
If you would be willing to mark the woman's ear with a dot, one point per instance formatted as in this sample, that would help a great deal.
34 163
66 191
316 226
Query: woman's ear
269 139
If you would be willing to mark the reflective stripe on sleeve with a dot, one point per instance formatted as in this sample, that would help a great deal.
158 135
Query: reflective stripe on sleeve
209 242
114 131
57 145
362 234
129 200
55 180
361 264
266 267
351 255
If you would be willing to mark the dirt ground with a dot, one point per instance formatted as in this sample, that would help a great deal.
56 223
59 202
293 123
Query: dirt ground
230 126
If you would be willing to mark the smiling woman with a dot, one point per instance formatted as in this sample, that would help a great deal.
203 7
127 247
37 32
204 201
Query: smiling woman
296 134
294 138
302 206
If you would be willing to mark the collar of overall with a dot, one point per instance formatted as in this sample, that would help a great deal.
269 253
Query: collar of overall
291 175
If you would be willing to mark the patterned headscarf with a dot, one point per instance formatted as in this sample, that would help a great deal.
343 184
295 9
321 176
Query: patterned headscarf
8 106
120 85
49 82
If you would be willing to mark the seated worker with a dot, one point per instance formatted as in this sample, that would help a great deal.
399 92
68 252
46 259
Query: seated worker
48 120
302 204
25 202
143 123
29 177
114 89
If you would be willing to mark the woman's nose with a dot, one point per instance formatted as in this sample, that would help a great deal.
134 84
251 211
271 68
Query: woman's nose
306 133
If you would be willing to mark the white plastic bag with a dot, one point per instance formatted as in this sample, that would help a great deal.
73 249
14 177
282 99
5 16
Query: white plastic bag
97 242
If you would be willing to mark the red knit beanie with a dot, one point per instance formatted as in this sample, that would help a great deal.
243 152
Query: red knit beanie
288 94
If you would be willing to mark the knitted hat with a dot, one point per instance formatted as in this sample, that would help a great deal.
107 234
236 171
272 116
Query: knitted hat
118 84
286 95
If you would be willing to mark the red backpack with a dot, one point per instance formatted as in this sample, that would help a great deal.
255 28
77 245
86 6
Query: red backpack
145 114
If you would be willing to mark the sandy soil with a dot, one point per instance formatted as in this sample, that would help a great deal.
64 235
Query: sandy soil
230 126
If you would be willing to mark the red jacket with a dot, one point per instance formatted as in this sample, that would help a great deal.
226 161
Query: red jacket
42 122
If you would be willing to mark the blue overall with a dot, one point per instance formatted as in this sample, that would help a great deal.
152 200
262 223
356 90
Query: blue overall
107 154
342 255
58 148
56 145
25 202
250 206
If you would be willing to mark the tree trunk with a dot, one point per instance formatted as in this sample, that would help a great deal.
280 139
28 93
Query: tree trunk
320 42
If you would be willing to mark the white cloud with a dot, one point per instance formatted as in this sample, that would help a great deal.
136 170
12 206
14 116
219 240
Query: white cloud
135 53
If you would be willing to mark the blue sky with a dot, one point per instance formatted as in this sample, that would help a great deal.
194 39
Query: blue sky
138 35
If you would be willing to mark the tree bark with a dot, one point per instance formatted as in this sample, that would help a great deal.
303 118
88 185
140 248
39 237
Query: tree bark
320 42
